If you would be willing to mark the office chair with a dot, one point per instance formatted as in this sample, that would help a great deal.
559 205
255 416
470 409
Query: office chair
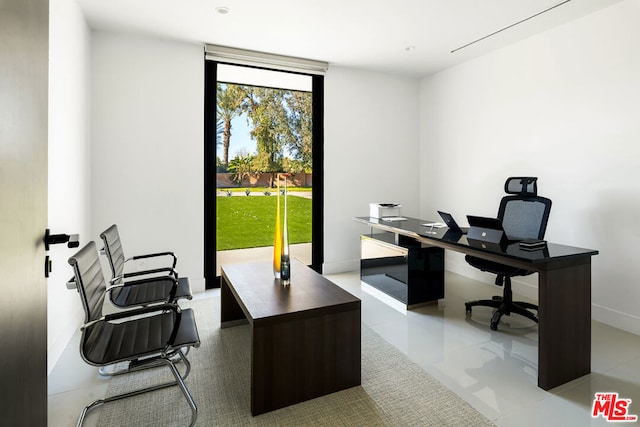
147 336
145 287
524 215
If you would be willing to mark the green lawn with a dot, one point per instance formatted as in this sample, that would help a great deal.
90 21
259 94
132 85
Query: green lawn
249 222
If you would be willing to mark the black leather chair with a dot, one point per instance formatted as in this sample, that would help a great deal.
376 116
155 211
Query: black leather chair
146 336
524 215
141 287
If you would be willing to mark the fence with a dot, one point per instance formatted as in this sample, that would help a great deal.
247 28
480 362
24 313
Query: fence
223 180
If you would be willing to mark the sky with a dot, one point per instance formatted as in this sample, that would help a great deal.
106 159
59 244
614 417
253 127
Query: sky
240 138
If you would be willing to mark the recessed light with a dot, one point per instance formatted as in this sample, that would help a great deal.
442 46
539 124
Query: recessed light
410 48
222 10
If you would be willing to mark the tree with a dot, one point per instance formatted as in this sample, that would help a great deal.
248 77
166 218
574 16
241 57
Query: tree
280 120
300 123
219 129
266 112
240 167
220 168
293 166
229 103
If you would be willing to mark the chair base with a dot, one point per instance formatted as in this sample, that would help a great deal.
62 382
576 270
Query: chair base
135 365
153 362
504 308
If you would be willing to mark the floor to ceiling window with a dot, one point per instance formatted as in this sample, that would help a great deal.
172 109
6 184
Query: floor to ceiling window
261 126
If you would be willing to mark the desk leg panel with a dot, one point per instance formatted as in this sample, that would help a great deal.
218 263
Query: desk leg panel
297 360
230 311
564 325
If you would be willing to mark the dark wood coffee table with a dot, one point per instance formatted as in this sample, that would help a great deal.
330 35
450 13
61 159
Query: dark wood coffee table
305 337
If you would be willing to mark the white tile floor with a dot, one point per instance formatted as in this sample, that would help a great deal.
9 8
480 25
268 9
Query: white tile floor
496 372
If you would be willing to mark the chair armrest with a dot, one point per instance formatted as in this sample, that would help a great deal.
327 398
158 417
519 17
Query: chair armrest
71 283
115 284
156 255
136 278
170 271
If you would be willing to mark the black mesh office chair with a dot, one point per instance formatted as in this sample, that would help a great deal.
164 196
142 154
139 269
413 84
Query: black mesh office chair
147 336
524 215
141 287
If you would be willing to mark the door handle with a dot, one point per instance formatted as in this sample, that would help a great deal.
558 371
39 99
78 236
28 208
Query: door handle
72 240
47 266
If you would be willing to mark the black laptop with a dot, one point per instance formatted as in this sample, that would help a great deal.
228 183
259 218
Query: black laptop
485 222
451 223
493 224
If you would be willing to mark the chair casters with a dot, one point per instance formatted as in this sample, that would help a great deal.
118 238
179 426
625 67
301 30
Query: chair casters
467 308
495 319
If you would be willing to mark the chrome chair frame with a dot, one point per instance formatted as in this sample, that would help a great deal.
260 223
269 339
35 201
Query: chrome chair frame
141 288
172 330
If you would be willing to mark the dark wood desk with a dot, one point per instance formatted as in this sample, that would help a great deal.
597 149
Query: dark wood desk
305 337
564 294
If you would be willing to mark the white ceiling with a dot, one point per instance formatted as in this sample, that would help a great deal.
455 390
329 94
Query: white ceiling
366 34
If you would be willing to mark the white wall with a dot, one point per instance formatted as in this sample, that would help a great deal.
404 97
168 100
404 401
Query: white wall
559 106
147 153
562 106
147 148
69 163
371 136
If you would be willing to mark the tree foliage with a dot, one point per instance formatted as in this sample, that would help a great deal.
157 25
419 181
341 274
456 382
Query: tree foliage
240 167
220 167
230 98
301 126
280 122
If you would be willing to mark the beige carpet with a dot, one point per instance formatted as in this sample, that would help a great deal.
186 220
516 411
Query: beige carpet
394 390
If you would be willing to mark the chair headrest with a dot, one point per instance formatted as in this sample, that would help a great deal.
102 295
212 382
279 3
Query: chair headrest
524 185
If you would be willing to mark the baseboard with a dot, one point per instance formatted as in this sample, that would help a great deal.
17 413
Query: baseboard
616 319
197 284
340 266
455 263
613 318
74 320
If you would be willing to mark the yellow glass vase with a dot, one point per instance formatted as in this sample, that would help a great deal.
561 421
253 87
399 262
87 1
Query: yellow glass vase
277 238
